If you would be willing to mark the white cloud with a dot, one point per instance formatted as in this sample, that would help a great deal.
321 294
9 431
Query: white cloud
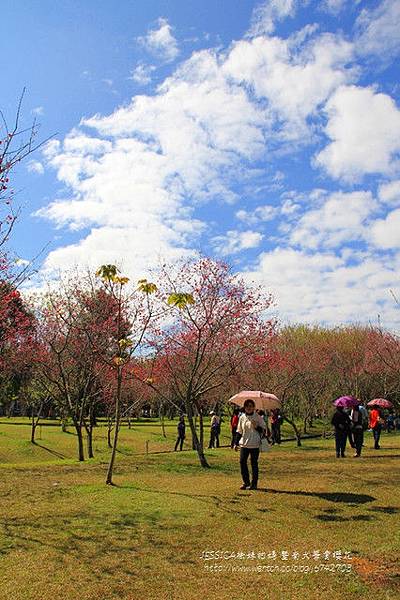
323 287
235 241
258 215
378 30
160 42
38 110
34 166
389 193
385 233
334 6
142 73
339 218
295 79
364 127
266 15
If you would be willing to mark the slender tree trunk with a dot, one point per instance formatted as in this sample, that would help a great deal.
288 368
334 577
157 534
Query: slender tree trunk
78 429
34 425
295 429
110 426
201 422
162 421
109 480
195 440
89 432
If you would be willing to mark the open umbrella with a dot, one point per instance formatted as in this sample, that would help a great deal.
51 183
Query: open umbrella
381 402
347 402
262 400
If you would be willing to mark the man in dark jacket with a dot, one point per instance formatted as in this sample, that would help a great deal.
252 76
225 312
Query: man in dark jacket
181 433
341 422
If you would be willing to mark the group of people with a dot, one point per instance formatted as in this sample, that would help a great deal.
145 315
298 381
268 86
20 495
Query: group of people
351 425
249 427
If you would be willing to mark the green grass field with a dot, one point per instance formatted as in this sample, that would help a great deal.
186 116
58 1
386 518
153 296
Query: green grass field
65 535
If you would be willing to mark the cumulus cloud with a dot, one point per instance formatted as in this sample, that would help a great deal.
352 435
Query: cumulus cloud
385 233
325 287
364 129
334 6
389 193
142 73
268 13
160 42
378 30
258 215
35 166
134 182
339 218
295 79
236 241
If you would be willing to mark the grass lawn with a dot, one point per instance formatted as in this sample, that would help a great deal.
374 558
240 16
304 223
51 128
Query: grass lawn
64 535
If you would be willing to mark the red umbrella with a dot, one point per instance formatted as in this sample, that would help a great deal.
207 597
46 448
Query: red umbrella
381 402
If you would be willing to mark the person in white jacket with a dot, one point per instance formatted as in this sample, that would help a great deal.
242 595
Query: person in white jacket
251 428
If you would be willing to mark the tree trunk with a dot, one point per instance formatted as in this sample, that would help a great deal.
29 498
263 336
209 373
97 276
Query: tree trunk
305 425
201 428
109 444
162 421
195 440
89 432
109 480
295 429
33 429
78 428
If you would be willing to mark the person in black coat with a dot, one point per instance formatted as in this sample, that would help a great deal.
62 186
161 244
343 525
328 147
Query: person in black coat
341 422
181 433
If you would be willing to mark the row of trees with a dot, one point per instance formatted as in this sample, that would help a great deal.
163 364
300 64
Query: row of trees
102 344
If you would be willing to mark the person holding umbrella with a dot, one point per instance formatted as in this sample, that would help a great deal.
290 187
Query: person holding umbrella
250 429
375 418
341 422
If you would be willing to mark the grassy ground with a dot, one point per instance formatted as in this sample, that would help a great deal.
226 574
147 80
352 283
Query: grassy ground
65 535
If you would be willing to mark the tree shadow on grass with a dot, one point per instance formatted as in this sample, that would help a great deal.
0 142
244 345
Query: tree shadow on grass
346 497
330 518
58 454
389 510
384 456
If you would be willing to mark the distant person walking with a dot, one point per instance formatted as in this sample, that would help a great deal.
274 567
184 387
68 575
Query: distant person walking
276 421
181 433
250 429
234 424
356 418
376 426
341 422
215 430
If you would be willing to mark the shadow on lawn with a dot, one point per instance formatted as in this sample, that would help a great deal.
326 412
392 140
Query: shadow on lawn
347 497
58 454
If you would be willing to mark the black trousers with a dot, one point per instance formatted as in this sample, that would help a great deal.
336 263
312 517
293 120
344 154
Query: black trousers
377 434
244 455
180 439
340 439
214 438
233 440
358 438
276 433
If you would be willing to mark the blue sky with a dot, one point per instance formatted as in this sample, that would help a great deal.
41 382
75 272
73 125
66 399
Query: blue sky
264 133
